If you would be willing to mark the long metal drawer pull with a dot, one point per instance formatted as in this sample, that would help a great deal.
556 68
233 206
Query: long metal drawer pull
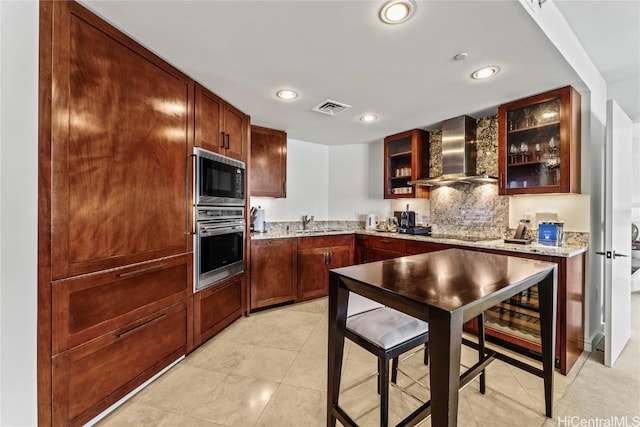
143 325
385 241
142 270
222 145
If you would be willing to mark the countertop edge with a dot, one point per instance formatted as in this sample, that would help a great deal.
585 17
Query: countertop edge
498 244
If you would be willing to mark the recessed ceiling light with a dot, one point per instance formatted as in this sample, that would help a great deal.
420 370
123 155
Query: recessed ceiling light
485 72
397 11
368 118
287 94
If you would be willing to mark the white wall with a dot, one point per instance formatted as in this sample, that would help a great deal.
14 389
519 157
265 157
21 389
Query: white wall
573 209
329 182
307 185
356 181
18 211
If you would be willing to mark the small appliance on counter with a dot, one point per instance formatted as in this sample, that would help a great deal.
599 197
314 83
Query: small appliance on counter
257 217
372 221
407 221
550 233
422 230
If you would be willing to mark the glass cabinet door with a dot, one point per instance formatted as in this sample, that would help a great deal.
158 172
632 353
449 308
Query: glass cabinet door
406 158
533 145
539 143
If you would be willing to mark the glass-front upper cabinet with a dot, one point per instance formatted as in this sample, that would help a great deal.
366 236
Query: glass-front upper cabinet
406 158
539 143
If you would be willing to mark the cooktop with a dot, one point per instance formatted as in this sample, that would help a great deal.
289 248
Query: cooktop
457 237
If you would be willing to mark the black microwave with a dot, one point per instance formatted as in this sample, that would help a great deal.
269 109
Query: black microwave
219 180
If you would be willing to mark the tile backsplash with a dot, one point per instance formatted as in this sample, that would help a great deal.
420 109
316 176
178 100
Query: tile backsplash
472 210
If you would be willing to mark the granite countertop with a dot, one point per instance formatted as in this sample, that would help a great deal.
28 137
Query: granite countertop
497 244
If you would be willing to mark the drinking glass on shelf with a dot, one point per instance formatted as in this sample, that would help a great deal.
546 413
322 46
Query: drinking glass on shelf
538 149
524 149
553 145
513 152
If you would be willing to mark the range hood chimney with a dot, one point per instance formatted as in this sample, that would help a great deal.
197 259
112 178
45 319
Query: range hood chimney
458 154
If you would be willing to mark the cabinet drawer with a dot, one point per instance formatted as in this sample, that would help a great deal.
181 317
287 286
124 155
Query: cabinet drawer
93 376
414 247
217 307
325 241
389 244
89 306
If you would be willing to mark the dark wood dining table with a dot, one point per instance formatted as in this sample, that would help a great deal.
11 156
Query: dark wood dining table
445 288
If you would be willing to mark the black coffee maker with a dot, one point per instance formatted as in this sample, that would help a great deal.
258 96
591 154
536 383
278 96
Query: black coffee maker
407 221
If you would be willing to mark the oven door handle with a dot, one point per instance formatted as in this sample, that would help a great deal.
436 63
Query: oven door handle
212 231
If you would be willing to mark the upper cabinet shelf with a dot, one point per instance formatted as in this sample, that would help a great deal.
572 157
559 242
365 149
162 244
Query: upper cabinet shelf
539 143
406 158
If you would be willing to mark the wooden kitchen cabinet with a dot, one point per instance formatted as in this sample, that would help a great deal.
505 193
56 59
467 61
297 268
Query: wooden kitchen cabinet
539 143
274 265
406 158
268 176
374 248
569 314
219 126
316 256
93 376
115 261
216 307
88 306
416 247
118 169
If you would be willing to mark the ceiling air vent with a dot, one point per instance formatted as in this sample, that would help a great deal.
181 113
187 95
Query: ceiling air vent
330 107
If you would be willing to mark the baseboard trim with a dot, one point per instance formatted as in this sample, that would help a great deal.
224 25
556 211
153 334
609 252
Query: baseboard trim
116 405
592 342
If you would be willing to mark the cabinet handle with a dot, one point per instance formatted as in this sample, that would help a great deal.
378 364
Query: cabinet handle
228 137
142 325
222 135
501 178
141 271
330 257
385 241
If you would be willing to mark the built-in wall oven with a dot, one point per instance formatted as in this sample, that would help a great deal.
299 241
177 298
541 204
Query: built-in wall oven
219 244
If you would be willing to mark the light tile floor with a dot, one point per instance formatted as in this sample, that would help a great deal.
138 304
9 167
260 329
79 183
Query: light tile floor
270 370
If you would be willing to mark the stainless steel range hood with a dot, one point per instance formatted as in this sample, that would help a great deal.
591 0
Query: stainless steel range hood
458 154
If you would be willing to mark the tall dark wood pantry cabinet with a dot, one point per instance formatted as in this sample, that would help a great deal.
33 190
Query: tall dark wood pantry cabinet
115 268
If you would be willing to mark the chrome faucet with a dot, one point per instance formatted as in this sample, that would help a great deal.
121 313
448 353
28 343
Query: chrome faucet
306 219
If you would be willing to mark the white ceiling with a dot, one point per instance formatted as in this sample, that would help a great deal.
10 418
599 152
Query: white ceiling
246 50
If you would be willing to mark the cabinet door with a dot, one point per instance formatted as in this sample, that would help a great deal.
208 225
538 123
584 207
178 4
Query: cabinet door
121 132
312 273
361 242
406 158
235 142
268 162
539 143
339 256
273 272
88 306
209 114
91 377
216 307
